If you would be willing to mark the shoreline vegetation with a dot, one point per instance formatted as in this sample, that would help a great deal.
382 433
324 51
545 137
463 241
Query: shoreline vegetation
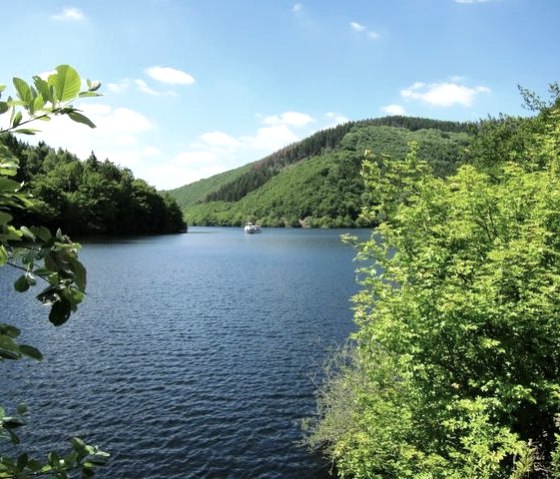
454 369
90 197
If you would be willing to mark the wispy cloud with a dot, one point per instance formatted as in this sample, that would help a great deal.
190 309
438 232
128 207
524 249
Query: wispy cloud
219 139
336 119
69 14
358 27
393 109
143 87
289 118
118 87
170 76
443 94
298 7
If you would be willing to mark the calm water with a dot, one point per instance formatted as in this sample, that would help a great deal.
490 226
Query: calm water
193 355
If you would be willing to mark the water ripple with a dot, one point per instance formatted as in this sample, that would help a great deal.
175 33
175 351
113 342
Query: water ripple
192 355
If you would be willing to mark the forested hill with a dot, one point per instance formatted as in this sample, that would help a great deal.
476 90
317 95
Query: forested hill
316 182
89 197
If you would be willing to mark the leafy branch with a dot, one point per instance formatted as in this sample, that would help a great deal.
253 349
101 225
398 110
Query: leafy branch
40 254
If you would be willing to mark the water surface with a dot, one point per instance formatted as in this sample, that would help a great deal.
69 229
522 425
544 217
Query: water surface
193 356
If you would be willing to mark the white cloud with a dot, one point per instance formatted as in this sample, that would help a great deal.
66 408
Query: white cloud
270 138
118 87
151 151
291 118
69 14
171 175
357 26
116 136
443 94
194 157
219 139
298 7
393 109
170 76
144 88
336 119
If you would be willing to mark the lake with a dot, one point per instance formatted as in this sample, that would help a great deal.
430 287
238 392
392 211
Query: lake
193 356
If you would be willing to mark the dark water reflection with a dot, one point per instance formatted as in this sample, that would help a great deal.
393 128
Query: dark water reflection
193 355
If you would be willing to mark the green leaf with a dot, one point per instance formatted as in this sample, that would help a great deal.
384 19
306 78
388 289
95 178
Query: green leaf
30 352
41 232
23 90
38 103
3 107
60 312
7 185
22 461
79 118
8 164
88 94
66 83
9 330
80 273
3 255
93 85
26 232
21 284
27 131
5 218
8 348
11 422
44 89
17 119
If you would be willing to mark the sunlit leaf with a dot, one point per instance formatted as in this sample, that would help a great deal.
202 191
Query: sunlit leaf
66 82
17 119
23 90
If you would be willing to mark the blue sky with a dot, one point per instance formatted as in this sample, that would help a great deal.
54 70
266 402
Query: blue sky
196 87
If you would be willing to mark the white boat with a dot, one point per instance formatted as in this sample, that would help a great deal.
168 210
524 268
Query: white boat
251 229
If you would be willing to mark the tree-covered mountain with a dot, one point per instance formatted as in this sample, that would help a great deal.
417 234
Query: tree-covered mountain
89 197
317 182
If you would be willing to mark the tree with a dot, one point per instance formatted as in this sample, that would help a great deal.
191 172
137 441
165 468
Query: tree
455 371
41 257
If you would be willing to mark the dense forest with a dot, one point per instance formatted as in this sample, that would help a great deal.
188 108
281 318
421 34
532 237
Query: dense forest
317 182
89 197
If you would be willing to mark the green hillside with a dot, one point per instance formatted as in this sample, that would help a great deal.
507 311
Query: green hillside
196 192
317 182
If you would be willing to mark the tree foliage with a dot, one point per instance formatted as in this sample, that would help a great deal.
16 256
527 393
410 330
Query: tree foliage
42 257
89 197
455 371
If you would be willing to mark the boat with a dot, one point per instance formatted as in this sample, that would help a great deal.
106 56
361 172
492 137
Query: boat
251 228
